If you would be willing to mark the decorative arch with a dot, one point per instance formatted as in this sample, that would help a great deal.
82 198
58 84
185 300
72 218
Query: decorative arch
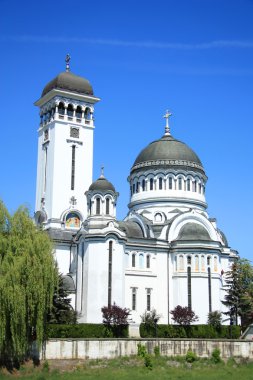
72 220
183 219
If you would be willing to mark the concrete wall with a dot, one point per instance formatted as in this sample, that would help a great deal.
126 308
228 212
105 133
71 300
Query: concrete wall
112 348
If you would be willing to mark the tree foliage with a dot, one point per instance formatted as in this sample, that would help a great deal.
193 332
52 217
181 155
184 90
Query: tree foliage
27 281
61 311
183 315
214 318
239 292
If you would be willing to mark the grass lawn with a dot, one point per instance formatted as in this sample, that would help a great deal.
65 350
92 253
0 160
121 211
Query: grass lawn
133 368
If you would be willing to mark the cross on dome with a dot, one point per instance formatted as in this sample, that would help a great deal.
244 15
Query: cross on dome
102 171
167 127
67 60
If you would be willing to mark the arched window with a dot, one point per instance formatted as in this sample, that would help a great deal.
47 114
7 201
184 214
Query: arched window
72 220
97 206
151 184
61 108
148 261
87 114
208 260
180 183
133 260
143 185
215 264
202 263
199 188
78 112
194 186
107 206
181 262
70 110
170 183
137 187
133 188
158 217
196 263
188 183
141 260
160 183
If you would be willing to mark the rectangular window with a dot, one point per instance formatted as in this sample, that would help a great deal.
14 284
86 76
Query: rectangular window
188 184
148 299
133 260
151 184
73 167
170 183
148 261
133 298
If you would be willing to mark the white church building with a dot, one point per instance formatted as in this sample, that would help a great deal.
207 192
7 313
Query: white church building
166 252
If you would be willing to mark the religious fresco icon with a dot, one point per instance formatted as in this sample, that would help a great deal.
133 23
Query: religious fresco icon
72 220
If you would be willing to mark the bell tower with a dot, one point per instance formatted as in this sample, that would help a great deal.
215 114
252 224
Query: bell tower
65 150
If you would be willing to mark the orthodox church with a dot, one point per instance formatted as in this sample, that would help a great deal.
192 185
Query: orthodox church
166 252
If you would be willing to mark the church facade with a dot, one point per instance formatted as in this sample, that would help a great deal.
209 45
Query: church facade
166 252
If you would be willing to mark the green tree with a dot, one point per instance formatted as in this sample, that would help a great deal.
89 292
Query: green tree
214 318
61 311
239 292
27 281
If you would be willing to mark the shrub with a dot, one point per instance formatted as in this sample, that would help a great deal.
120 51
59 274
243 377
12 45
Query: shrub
183 315
157 351
141 350
84 330
191 356
194 331
216 356
148 362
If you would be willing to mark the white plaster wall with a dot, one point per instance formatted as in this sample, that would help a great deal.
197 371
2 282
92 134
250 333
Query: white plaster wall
95 279
62 256
105 348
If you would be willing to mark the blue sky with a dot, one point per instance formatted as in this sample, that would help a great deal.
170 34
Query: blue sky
194 57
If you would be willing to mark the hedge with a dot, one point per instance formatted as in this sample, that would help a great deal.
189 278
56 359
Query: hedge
85 330
193 331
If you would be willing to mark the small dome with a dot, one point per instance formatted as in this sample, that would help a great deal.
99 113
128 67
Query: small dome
167 152
69 81
68 283
193 231
101 184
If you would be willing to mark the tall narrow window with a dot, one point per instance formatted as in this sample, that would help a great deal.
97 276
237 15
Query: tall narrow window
148 299
107 206
151 184
199 188
73 167
70 110
78 112
170 183
179 183
196 263
194 186
202 263
160 183
209 289
133 298
133 188
98 206
61 109
141 260
208 260
148 261
45 170
143 185
133 260
110 275
188 184
189 287
137 187
215 264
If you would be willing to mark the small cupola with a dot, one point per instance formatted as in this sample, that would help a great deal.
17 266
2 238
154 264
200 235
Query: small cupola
102 198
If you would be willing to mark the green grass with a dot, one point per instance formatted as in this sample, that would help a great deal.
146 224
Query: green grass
133 368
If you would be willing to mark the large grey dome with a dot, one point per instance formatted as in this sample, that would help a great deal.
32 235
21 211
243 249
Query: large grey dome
193 231
101 184
167 152
71 82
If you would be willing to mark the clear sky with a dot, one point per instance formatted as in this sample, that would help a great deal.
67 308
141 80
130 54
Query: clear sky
194 57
